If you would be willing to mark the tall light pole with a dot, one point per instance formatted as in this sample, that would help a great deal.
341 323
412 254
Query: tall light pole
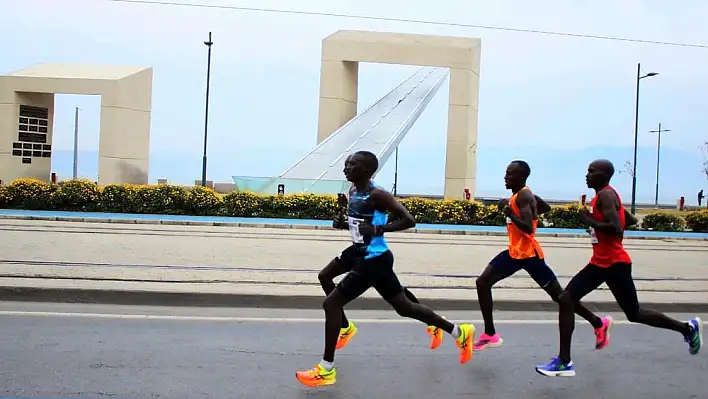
76 142
395 175
206 113
658 155
636 135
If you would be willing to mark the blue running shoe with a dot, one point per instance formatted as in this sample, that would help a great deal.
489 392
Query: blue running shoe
695 340
556 368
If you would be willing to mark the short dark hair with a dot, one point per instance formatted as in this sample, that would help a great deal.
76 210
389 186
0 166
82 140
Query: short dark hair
606 166
371 161
524 167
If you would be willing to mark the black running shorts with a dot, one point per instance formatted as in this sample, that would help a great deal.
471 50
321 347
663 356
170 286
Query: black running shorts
618 278
504 266
363 274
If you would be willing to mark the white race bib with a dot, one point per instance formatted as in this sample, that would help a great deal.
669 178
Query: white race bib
357 238
593 236
508 220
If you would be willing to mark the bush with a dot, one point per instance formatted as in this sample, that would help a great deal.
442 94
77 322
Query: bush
30 194
242 204
84 195
4 197
119 198
564 217
662 221
203 201
77 195
696 221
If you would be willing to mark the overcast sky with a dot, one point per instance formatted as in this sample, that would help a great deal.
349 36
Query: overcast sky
552 92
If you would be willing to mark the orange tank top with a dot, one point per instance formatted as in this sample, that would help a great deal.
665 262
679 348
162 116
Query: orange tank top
521 244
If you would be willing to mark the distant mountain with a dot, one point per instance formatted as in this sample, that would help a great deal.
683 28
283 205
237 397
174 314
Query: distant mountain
555 174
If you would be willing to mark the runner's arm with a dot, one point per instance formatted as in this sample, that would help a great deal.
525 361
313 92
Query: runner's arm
541 205
340 219
404 219
607 205
525 222
630 220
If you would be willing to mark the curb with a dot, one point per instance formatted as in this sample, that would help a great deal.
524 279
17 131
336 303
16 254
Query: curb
319 227
195 299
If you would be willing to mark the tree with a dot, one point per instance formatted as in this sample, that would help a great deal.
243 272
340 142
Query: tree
628 170
704 150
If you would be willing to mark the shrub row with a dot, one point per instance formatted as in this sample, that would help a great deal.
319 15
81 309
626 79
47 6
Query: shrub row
84 195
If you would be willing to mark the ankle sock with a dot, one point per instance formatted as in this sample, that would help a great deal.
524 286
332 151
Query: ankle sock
455 331
327 365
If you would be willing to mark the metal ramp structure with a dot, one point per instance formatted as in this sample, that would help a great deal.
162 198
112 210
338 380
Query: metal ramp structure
378 129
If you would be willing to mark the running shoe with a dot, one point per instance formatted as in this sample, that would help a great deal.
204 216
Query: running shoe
346 334
317 376
602 334
436 336
695 339
464 342
488 341
556 368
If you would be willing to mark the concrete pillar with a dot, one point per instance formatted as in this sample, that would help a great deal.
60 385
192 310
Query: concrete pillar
124 146
461 149
24 159
339 82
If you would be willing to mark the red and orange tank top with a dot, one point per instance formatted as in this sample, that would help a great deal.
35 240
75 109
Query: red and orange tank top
607 249
521 244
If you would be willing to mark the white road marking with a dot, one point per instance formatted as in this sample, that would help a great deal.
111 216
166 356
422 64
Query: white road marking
237 319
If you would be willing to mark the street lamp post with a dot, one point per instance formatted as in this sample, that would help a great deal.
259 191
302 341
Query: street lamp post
206 113
76 143
636 135
395 175
658 155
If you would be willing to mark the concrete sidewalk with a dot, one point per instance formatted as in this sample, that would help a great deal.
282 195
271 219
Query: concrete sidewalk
236 266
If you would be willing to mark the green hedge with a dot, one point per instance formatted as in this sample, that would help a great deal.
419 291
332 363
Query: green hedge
84 195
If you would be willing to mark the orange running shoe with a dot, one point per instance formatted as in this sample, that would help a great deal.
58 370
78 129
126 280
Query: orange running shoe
436 336
317 376
345 335
464 342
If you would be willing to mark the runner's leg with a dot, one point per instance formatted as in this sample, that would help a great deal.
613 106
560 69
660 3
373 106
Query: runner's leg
586 281
602 325
501 267
389 287
355 283
334 269
620 282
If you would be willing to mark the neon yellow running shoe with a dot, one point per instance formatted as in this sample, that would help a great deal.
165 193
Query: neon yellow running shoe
464 342
317 376
346 334
436 336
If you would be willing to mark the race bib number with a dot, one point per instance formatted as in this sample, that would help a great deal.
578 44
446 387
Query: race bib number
593 236
357 238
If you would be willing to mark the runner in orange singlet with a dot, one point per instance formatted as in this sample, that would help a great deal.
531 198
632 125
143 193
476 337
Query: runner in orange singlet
610 264
524 252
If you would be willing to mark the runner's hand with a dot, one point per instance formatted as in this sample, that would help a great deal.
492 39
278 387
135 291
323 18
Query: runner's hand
339 222
507 211
366 229
585 214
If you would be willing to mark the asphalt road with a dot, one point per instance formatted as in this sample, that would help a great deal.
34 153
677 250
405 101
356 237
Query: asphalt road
94 351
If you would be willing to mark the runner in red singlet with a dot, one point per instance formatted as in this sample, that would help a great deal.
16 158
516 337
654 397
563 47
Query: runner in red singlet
610 264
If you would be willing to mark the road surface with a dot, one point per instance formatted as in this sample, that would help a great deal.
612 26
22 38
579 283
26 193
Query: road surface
97 351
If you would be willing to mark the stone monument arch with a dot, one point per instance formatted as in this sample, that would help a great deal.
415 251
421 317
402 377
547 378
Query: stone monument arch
27 118
341 54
